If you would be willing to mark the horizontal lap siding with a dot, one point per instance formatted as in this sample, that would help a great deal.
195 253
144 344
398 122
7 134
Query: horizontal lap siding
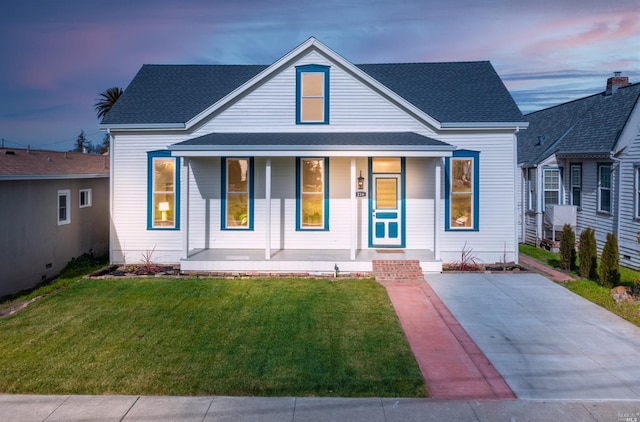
419 204
130 238
495 239
271 107
629 224
588 216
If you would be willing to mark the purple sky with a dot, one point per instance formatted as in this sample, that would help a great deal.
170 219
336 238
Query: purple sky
57 56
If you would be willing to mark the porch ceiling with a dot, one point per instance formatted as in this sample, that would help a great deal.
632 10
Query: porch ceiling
365 144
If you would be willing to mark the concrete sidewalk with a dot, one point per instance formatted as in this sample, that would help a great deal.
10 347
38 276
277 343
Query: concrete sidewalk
28 408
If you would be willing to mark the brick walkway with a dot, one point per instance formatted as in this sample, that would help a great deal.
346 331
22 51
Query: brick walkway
544 270
452 365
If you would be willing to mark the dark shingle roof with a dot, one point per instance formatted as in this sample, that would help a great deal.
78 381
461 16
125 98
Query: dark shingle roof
350 140
589 125
453 92
459 92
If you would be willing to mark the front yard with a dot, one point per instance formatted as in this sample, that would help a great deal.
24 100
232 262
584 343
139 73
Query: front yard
165 336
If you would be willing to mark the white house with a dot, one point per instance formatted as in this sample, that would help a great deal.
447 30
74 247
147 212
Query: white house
313 163
585 154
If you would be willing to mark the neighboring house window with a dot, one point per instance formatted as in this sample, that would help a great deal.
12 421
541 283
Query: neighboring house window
637 188
312 193
85 198
64 207
531 189
576 185
604 188
551 186
461 191
163 210
237 193
312 94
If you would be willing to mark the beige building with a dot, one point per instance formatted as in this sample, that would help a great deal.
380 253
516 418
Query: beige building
54 206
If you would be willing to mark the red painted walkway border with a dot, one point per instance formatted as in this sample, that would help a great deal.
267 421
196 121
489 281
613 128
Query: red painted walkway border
451 363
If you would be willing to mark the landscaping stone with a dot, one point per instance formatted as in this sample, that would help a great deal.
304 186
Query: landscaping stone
622 294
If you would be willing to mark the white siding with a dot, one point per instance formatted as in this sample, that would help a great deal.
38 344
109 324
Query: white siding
495 239
271 107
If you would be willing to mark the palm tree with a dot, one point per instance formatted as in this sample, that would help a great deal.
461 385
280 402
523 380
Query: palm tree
107 100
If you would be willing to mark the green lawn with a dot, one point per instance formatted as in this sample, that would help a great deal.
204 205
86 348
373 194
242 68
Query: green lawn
265 337
590 289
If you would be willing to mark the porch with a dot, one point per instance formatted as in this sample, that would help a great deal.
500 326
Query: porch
312 261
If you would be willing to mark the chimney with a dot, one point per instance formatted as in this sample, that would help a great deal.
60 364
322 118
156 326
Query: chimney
616 82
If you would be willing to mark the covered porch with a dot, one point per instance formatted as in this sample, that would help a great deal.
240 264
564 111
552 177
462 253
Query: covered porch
271 242
312 261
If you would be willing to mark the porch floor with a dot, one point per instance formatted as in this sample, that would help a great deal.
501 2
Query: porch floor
314 261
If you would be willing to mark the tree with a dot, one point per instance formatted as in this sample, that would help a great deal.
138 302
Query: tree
82 143
588 254
104 146
568 248
107 101
609 271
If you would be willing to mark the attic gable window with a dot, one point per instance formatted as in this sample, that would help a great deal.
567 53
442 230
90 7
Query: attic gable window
312 94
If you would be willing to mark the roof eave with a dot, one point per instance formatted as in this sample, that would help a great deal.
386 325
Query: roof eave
484 125
141 126
53 176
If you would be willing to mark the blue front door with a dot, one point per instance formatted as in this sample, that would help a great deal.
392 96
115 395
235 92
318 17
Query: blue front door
386 210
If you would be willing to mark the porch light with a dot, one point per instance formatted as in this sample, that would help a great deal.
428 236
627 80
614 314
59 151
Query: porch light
163 207
360 181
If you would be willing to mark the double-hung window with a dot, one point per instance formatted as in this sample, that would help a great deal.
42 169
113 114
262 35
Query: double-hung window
604 188
85 198
461 191
237 193
551 186
312 193
532 194
163 210
576 185
312 94
64 207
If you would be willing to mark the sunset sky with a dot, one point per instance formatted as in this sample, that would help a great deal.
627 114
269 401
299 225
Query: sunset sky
57 56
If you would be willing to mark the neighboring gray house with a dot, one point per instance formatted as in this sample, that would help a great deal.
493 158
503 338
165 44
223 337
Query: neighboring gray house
54 206
313 163
585 153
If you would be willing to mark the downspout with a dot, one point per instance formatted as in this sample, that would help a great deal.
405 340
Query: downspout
516 179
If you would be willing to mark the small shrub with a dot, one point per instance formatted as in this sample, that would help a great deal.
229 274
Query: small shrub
588 255
568 248
609 272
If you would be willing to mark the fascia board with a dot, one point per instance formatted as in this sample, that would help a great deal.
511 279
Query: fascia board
52 176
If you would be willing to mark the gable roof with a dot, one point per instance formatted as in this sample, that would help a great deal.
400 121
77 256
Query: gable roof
588 127
457 93
26 164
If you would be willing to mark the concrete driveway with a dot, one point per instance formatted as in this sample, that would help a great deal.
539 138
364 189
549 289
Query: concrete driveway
545 341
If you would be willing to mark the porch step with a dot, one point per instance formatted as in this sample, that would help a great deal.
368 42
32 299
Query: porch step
404 270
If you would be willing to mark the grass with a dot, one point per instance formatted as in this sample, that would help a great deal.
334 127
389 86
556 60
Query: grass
590 289
166 336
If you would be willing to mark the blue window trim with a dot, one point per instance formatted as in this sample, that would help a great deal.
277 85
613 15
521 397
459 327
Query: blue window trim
312 68
475 155
299 194
162 154
223 178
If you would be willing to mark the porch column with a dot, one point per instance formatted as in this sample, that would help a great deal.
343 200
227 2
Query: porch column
436 210
185 210
267 210
354 211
